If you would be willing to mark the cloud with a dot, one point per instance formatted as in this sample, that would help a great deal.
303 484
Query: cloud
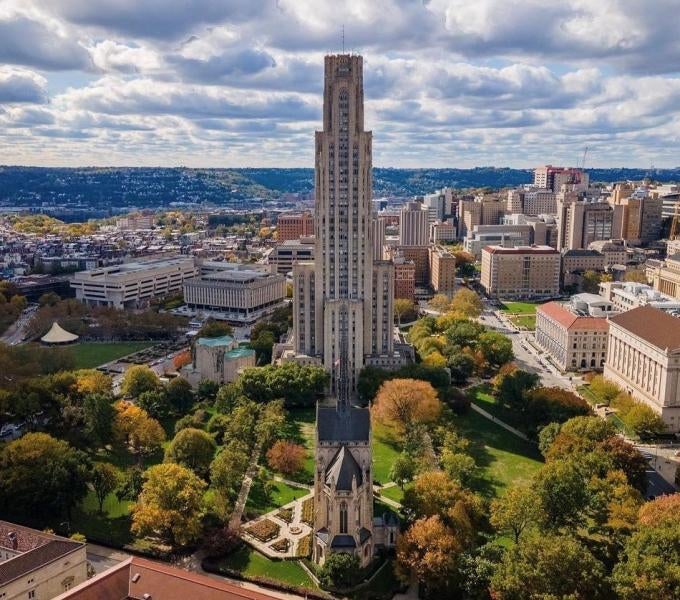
20 85
24 41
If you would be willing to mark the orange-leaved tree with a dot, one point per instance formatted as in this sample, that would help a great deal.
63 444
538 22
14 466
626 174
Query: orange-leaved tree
401 402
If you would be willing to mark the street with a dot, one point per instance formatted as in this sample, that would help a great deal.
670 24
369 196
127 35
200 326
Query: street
15 332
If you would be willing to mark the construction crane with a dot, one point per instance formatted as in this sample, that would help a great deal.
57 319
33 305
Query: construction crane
583 160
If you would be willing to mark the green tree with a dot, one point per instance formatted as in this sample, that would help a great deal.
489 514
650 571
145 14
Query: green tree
546 437
272 419
642 419
440 303
226 472
340 570
461 365
139 379
496 348
516 511
402 307
40 475
180 395
458 466
214 329
477 568
99 414
513 389
155 402
170 505
403 470
551 567
562 493
298 385
207 390
49 299
105 479
263 345
131 484
193 449
590 282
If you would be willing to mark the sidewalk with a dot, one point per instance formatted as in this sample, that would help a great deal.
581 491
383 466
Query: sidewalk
504 425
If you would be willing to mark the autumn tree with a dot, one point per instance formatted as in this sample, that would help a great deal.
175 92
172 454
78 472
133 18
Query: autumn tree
606 390
430 551
467 302
91 381
516 511
660 509
440 303
193 449
134 427
181 359
402 402
495 347
286 457
104 479
549 566
138 379
170 505
402 307
643 419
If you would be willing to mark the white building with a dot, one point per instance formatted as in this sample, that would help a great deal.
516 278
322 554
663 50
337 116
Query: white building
413 225
218 359
134 284
626 295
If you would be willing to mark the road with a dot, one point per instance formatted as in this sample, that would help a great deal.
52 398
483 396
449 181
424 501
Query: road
16 332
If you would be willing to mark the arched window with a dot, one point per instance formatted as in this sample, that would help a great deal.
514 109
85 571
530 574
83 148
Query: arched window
343 517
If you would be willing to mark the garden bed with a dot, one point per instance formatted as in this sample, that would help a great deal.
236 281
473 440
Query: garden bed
264 530
304 548
308 512
285 514
281 545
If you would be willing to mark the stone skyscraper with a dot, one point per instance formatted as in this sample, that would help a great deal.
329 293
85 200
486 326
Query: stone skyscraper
343 302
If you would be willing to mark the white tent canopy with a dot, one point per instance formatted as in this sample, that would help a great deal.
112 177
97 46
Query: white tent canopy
58 335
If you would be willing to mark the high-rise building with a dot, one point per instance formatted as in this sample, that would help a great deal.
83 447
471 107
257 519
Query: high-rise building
378 225
442 270
292 226
553 178
582 222
344 316
413 225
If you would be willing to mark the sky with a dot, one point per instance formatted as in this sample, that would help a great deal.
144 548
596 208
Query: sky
238 83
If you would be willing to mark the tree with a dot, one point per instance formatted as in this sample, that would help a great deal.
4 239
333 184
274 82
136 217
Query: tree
514 387
650 566
263 345
170 505
590 282
643 419
181 360
636 275
298 385
477 568
138 379
402 307
131 484
628 459
207 390
286 457
193 449
606 390
272 419
99 415
214 329
340 570
156 403
659 510
180 395
554 405
91 381
458 466
402 402
403 470
226 473
41 476
591 429
429 550
467 303
134 427
461 365
549 566
440 303
516 511
105 479
49 299
546 437
496 348
563 495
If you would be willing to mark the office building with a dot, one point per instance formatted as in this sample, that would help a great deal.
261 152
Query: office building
641 213
404 278
665 276
553 178
285 255
539 201
378 225
627 295
576 262
419 256
485 209
413 225
528 272
613 251
442 270
442 232
574 335
643 358
133 284
582 222
38 565
508 236
238 293
436 206
293 226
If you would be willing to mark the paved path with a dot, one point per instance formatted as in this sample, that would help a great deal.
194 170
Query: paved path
251 472
504 425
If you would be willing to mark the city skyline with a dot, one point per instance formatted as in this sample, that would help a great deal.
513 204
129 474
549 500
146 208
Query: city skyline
449 84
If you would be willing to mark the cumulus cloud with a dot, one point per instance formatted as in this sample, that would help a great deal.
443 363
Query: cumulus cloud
21 85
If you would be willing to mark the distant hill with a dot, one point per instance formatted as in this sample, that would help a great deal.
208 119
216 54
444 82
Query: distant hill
103 188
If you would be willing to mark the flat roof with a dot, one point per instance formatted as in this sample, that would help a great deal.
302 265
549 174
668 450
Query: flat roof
224 340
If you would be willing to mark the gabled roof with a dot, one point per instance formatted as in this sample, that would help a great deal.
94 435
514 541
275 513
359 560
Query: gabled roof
58 335
342 469
343 541
652 325
351 426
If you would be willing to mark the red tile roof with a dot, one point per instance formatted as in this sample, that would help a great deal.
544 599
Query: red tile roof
566 318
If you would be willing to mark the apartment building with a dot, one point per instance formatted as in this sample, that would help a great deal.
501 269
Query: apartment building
414 225
523 272
539 201
641 212
627 295
404 278
576 262
240 293
553 178
292 226
285 255
133 284
442 270
442 232
643 358
38 565
483 210
420 256
573 337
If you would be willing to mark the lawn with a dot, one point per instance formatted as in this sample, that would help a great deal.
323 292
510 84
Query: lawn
280 494
503 458
382 585
525 321
524 308
386 448
483 397
251 563
89 355
393 493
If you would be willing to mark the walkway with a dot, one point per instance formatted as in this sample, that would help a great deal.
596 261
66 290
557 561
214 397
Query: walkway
251 472
504 425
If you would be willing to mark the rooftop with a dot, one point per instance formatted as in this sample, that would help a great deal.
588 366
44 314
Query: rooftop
334 426
520 250
569 320
225 340
342 469
652 325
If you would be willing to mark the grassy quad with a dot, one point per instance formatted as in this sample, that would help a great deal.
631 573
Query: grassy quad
520 308
89 355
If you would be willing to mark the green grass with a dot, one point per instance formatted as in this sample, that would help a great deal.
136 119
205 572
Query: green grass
587 392
525 321
393 493
526 308
483 397
503 458
382 585
281 493
89 355
386 448
112 526
251 563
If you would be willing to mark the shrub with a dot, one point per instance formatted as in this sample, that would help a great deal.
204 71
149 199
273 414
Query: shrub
285 514
308 512
281 545
304 549
264 530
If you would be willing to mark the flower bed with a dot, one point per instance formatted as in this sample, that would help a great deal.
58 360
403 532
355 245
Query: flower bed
304 549
285 514
264 530
308 512
281 545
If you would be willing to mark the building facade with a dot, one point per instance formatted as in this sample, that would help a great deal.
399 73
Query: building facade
666 276
413 225
553 178
643 358
523 272
442 270
627 295
293 226
583 222
404 278
218 359
134 284
285 255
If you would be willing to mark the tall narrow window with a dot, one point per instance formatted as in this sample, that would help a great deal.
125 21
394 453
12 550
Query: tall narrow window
343 517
